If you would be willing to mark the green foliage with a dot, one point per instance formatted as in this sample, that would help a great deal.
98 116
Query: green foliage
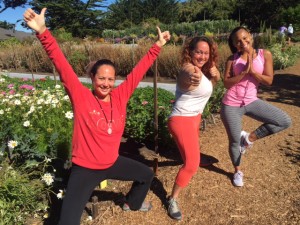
215 101
21 195
10 42
11 4
62 36
6 25
81 18
284 56
35 117
189 29
140 116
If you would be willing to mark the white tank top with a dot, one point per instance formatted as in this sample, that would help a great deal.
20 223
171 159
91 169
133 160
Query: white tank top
192 103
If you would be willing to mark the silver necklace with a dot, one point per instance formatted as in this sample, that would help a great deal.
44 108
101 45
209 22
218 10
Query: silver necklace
109 124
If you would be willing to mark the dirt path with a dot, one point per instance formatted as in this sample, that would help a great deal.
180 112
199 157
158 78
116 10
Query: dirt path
271 194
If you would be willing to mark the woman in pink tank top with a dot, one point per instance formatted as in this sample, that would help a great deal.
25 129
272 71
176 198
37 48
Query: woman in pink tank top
245 70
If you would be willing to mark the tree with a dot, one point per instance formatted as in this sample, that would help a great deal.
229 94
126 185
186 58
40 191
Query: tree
137 11
6 25
75 16
166 11
190 10
5 4
123 14
267 11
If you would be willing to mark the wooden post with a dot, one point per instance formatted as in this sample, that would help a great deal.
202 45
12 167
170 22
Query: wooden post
155 163
94 207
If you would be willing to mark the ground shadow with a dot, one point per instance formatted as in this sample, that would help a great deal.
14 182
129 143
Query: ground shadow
285 89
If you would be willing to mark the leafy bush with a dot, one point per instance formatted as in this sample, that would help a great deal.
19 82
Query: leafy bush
140 116
21 196
284 57
215 101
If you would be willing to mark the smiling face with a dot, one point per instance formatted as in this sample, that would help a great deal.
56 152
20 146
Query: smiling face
243 41
104 81
200 55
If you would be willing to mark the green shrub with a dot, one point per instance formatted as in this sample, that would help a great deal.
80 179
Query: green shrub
284 56
21 196
140 116
215 101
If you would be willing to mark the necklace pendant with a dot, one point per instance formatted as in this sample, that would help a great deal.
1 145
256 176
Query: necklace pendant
109 130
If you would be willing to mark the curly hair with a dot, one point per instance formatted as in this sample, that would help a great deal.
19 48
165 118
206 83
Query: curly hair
233 49
190 46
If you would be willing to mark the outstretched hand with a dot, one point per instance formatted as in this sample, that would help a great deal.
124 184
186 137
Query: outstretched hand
35 21
163 37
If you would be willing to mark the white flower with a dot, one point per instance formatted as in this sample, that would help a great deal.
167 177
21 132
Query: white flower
57 86
66 98
2 80
31 110
26 124
1 112
61 194
48 178
17 102
40 101
12 144
55 101
45 92
69 115
90 218
47 160
67 164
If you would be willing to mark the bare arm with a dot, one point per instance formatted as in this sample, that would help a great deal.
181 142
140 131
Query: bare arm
266 77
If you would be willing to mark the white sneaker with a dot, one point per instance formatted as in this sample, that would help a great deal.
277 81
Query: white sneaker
238 179
244 142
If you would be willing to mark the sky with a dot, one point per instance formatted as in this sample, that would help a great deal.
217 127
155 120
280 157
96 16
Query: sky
13 15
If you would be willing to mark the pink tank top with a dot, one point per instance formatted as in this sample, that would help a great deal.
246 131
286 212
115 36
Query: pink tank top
244 92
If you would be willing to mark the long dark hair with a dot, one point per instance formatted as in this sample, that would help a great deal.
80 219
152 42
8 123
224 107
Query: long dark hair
233 49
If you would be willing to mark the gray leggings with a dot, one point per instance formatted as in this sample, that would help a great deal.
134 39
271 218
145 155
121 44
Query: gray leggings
273 118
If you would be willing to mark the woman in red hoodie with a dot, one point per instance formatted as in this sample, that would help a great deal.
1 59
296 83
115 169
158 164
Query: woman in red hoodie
99 120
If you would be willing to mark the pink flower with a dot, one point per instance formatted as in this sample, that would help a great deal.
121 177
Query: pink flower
144 103
12 92
10 86
24 79
172 101
26 86
3 93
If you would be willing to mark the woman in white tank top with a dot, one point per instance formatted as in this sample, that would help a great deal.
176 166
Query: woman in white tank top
193 89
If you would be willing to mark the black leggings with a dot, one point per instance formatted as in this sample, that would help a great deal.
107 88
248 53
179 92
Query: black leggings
82 182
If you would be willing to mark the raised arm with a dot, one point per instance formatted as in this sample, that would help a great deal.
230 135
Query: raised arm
67 75
137 74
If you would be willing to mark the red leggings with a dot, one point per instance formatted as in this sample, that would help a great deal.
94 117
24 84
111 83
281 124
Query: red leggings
185 131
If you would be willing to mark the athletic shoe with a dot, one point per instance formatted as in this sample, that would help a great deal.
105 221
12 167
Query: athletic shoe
238 179
173 209
146 206
244 142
